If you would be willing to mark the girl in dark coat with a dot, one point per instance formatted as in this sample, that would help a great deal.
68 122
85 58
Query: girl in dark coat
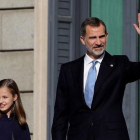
13 125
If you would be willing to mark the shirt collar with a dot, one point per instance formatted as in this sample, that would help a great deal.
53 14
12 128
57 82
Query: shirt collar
88 60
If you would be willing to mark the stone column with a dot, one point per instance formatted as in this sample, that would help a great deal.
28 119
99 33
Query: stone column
40 70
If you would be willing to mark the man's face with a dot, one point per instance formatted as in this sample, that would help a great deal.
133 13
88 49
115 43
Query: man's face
95 40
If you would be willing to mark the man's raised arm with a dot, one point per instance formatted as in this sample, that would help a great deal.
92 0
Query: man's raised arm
138 27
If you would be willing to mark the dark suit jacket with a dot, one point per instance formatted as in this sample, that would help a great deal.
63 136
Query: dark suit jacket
104 121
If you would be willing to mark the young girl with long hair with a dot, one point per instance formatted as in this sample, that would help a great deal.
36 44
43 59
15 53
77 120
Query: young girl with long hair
13 125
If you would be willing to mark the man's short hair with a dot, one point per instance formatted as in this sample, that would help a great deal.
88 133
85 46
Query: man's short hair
92 21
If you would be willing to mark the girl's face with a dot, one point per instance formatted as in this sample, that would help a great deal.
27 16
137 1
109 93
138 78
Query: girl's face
6 100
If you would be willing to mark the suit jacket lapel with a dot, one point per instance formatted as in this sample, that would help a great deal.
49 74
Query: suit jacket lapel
106 67
77 72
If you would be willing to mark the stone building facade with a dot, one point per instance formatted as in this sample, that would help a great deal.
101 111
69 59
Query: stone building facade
17 49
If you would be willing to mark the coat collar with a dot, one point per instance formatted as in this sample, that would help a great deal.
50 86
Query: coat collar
5 117
106 67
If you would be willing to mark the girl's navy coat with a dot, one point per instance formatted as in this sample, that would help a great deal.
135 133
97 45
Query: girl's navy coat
10 129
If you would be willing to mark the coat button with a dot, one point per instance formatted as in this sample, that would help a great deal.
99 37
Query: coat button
91 125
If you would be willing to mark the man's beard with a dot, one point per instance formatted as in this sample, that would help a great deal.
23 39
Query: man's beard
98 52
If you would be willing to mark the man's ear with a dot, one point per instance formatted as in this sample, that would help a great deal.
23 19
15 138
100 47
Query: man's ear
107 36
82 40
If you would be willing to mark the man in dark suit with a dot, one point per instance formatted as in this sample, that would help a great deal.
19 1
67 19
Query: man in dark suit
90 90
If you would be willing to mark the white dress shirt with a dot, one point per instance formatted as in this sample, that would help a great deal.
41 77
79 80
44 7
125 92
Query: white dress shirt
87 65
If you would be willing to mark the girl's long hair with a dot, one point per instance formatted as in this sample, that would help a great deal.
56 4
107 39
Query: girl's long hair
17 109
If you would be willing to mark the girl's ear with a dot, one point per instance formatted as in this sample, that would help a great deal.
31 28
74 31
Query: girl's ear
15 97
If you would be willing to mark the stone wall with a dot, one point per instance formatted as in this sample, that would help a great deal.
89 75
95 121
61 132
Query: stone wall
17 49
